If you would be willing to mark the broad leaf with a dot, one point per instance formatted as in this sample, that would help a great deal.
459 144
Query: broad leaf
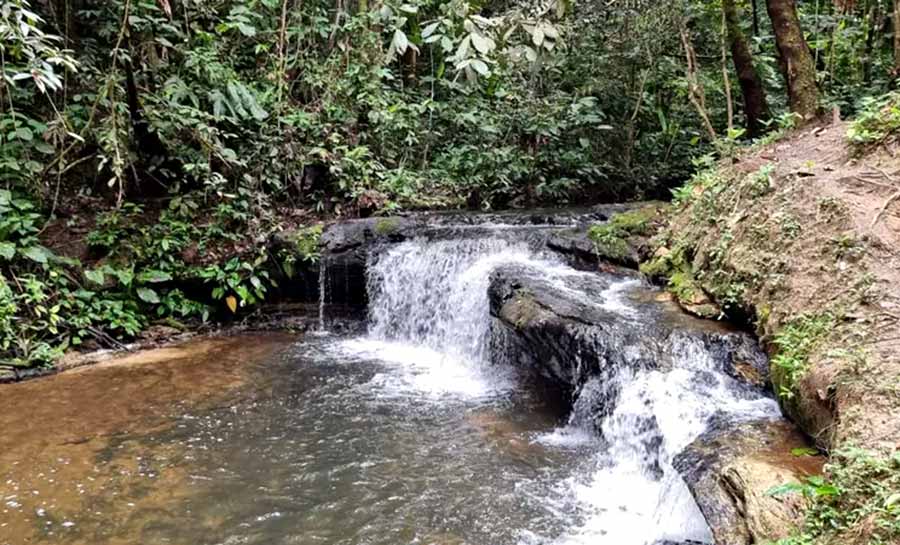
96 276
7 250
154 277
38 254
147 295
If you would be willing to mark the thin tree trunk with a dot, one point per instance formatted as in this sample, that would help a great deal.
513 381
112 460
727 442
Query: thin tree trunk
756 107
796 61
896 38
871 26
282 55
695 89
726 80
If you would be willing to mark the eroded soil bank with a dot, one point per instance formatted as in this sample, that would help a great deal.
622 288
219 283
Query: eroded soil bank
801 238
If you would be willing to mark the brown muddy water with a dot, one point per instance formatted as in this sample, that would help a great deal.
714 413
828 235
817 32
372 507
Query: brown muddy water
268 439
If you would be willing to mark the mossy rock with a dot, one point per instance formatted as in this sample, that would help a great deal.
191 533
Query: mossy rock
674 267
619 240
387 226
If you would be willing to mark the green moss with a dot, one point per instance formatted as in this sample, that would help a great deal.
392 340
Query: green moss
609 242
796 340
611 238
386 226
675 268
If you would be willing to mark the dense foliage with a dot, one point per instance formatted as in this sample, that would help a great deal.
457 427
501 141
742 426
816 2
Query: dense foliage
148 148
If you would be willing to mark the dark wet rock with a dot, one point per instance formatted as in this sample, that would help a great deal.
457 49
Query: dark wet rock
345 249
577 246
558 335
729 470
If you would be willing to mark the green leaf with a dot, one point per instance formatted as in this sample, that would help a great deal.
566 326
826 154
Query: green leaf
429 30
804 451
246 30
153 276
480 67
38 254
24 133
483 44
7 250
125 276
96 276
400 43
783 489
148 296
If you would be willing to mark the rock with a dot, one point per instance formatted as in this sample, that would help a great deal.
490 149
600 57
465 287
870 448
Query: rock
553 333
729 471
7 375
575 245
345 248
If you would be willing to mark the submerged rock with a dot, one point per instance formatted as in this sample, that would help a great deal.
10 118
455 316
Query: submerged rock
731 470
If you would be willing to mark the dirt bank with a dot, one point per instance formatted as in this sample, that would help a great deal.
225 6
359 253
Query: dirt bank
801 237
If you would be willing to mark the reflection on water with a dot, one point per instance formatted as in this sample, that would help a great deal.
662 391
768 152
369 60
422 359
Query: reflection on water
257 440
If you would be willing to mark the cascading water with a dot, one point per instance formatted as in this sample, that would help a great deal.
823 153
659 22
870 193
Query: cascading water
433 295
323 291
423 432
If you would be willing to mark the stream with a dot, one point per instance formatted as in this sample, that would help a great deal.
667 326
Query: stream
418 432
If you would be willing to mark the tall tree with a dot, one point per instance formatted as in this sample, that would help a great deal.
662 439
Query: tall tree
795 59
756 108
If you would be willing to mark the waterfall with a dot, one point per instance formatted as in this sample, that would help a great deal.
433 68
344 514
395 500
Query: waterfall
433 295
656 414
323 290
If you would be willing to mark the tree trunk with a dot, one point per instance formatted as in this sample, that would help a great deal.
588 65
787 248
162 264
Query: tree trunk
796 61
756 108
872 19
896 38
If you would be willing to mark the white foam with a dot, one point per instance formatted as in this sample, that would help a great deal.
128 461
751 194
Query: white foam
422 371
635 496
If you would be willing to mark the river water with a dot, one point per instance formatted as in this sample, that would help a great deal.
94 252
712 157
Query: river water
406 435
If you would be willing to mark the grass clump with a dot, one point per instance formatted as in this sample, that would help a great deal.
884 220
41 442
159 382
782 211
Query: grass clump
877 122
858 503
307 243
796 341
